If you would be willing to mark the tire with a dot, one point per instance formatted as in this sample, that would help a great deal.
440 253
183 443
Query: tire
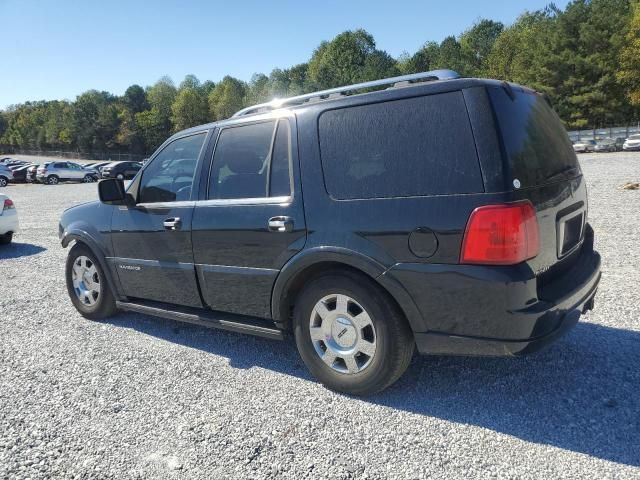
93 307
373 368
120 176
4 181
52 180
88 179
6 238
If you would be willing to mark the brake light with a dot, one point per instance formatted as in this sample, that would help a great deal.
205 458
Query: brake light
501 234
8 204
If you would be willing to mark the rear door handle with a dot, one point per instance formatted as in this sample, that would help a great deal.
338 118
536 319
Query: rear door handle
172 223
281 224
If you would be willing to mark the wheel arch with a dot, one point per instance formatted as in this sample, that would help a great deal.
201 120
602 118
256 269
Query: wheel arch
76 237
313 263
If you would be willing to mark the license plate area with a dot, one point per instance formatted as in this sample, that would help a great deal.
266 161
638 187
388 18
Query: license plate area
570 232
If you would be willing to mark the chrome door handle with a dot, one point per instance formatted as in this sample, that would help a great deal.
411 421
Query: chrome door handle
172 223
280 224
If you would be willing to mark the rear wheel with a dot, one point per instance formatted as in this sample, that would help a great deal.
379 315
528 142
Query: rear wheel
87 284
52 180
350 334
6 238
4 181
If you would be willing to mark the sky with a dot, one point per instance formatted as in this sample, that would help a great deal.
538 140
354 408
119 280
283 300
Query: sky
59 49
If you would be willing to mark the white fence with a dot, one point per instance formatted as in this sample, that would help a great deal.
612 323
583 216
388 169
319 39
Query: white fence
600 133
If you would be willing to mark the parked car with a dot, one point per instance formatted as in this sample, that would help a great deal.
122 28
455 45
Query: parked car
96 165
632 143
445 215
20 174
584 146
6 175
54 172
32 172
15 163
605 145
8 219
121 170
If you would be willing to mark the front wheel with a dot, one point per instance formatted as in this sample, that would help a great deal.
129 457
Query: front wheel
88 179
87 284
3 182
120 176
351 335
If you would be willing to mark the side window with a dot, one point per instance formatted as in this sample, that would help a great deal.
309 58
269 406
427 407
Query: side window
170 175
279 183
240 162
60 165
401 148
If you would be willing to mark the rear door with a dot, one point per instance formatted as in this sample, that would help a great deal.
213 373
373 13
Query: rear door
152 240
250 220
75 171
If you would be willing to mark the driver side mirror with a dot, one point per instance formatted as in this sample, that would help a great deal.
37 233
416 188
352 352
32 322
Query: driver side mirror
111 191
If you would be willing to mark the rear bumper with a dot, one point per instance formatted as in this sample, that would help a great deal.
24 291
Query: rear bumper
489 311
9 222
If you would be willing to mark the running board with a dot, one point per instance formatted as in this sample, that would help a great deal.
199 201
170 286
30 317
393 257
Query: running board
205 318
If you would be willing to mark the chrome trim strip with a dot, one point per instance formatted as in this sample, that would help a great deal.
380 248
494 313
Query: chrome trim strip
150 263
244 201
237 270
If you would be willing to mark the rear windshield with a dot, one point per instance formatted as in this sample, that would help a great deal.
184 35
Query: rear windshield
402 148
537 145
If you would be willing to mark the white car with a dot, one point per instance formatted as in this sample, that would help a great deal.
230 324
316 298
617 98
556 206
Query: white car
583 146
8 219
632 143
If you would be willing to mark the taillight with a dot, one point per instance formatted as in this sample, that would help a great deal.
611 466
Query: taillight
8 204
501 234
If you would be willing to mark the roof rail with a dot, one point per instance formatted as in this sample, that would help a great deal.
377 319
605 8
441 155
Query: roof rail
402 80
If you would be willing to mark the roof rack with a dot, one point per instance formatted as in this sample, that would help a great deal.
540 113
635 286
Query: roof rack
400 81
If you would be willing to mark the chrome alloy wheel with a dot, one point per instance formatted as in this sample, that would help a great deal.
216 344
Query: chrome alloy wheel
342 333
86 281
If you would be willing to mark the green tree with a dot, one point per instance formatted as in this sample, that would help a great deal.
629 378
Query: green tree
226 98
628 73
477 44
135 99
190 105
351 57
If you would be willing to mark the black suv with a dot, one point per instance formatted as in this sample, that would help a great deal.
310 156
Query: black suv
428 211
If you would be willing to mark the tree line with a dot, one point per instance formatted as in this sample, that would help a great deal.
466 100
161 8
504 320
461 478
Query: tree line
585 59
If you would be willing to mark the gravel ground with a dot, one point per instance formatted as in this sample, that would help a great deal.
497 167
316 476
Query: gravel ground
139 397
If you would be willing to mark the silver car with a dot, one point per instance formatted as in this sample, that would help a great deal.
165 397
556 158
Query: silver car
54 172
6 175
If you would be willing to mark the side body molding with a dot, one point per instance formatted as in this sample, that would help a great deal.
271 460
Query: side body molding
316 256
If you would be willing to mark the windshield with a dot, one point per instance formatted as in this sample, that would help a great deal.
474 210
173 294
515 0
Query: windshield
537 146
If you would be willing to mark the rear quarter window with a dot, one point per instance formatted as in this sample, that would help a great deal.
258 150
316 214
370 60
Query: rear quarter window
418 146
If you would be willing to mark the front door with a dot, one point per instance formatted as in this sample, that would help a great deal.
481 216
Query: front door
250 220
152 240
